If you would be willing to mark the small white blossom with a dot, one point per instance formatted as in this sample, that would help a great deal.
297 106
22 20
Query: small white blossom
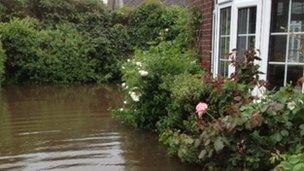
135 97
121 109
123 84
125 102
128 60
291 105
258 93
123 67
166 30
143 73
139 64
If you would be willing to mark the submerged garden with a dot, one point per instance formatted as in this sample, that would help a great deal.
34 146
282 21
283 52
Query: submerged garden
231 123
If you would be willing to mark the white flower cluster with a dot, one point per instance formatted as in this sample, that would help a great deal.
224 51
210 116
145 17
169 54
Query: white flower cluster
141 71
135 96
259 93
124 85
291 105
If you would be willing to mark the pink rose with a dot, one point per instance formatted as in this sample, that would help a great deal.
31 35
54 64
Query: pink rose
201 108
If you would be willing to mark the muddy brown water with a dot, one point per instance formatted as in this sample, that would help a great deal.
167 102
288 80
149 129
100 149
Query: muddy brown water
70 128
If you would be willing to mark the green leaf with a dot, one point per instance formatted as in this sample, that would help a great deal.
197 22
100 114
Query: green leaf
218 144
284 133
276 137
298 167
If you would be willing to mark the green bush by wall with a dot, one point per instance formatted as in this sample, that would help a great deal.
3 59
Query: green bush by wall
58 55
67 41
2 63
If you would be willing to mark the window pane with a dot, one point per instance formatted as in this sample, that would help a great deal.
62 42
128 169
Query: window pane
296 48
242 21
251 42
224 42
223 70
276 75
225 21
294 73
297 16
279 15
277 48
241 46
252 20
224 47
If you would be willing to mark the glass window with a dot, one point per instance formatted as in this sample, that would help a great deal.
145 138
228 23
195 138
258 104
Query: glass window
286 47
224 42
246 29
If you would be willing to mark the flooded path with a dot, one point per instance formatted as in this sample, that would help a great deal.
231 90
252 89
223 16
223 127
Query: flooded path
70 128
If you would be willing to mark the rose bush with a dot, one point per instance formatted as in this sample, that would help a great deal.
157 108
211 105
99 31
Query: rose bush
231 123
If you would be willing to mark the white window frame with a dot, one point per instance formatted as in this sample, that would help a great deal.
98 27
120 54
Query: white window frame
216 29
265 35
286 63
235 6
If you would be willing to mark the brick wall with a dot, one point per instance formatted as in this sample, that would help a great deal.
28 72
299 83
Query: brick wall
204 34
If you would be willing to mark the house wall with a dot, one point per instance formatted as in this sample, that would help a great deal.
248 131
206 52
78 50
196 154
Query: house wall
204 34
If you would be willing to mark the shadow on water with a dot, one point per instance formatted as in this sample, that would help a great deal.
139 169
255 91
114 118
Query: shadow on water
70 128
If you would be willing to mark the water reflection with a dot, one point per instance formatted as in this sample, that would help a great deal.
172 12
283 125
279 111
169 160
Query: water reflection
69 128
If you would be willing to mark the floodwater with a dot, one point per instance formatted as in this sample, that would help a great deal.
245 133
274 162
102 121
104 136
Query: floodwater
70 128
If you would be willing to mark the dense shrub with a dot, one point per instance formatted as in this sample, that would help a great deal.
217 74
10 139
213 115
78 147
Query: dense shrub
146 78
215 122
2 63
50 56
111 48
152 22
289 162
64 59
21 43
106 38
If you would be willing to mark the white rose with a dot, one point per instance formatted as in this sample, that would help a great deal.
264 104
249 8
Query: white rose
139 64
258 93
143 73
135 97
291 105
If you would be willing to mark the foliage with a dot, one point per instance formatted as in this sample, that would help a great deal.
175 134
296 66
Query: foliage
110 37
146 77
153 22
48 56
290 162
185 91
2 63
246 139
236 129
181 145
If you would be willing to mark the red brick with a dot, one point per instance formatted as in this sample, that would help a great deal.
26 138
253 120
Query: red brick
204 35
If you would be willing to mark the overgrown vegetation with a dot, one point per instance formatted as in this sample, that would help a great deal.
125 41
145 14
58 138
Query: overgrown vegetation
72 41
231 123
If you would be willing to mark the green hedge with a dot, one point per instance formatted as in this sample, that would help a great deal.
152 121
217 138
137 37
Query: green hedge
67 41
58 55
2 63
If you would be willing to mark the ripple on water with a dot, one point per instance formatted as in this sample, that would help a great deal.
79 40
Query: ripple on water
69 128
